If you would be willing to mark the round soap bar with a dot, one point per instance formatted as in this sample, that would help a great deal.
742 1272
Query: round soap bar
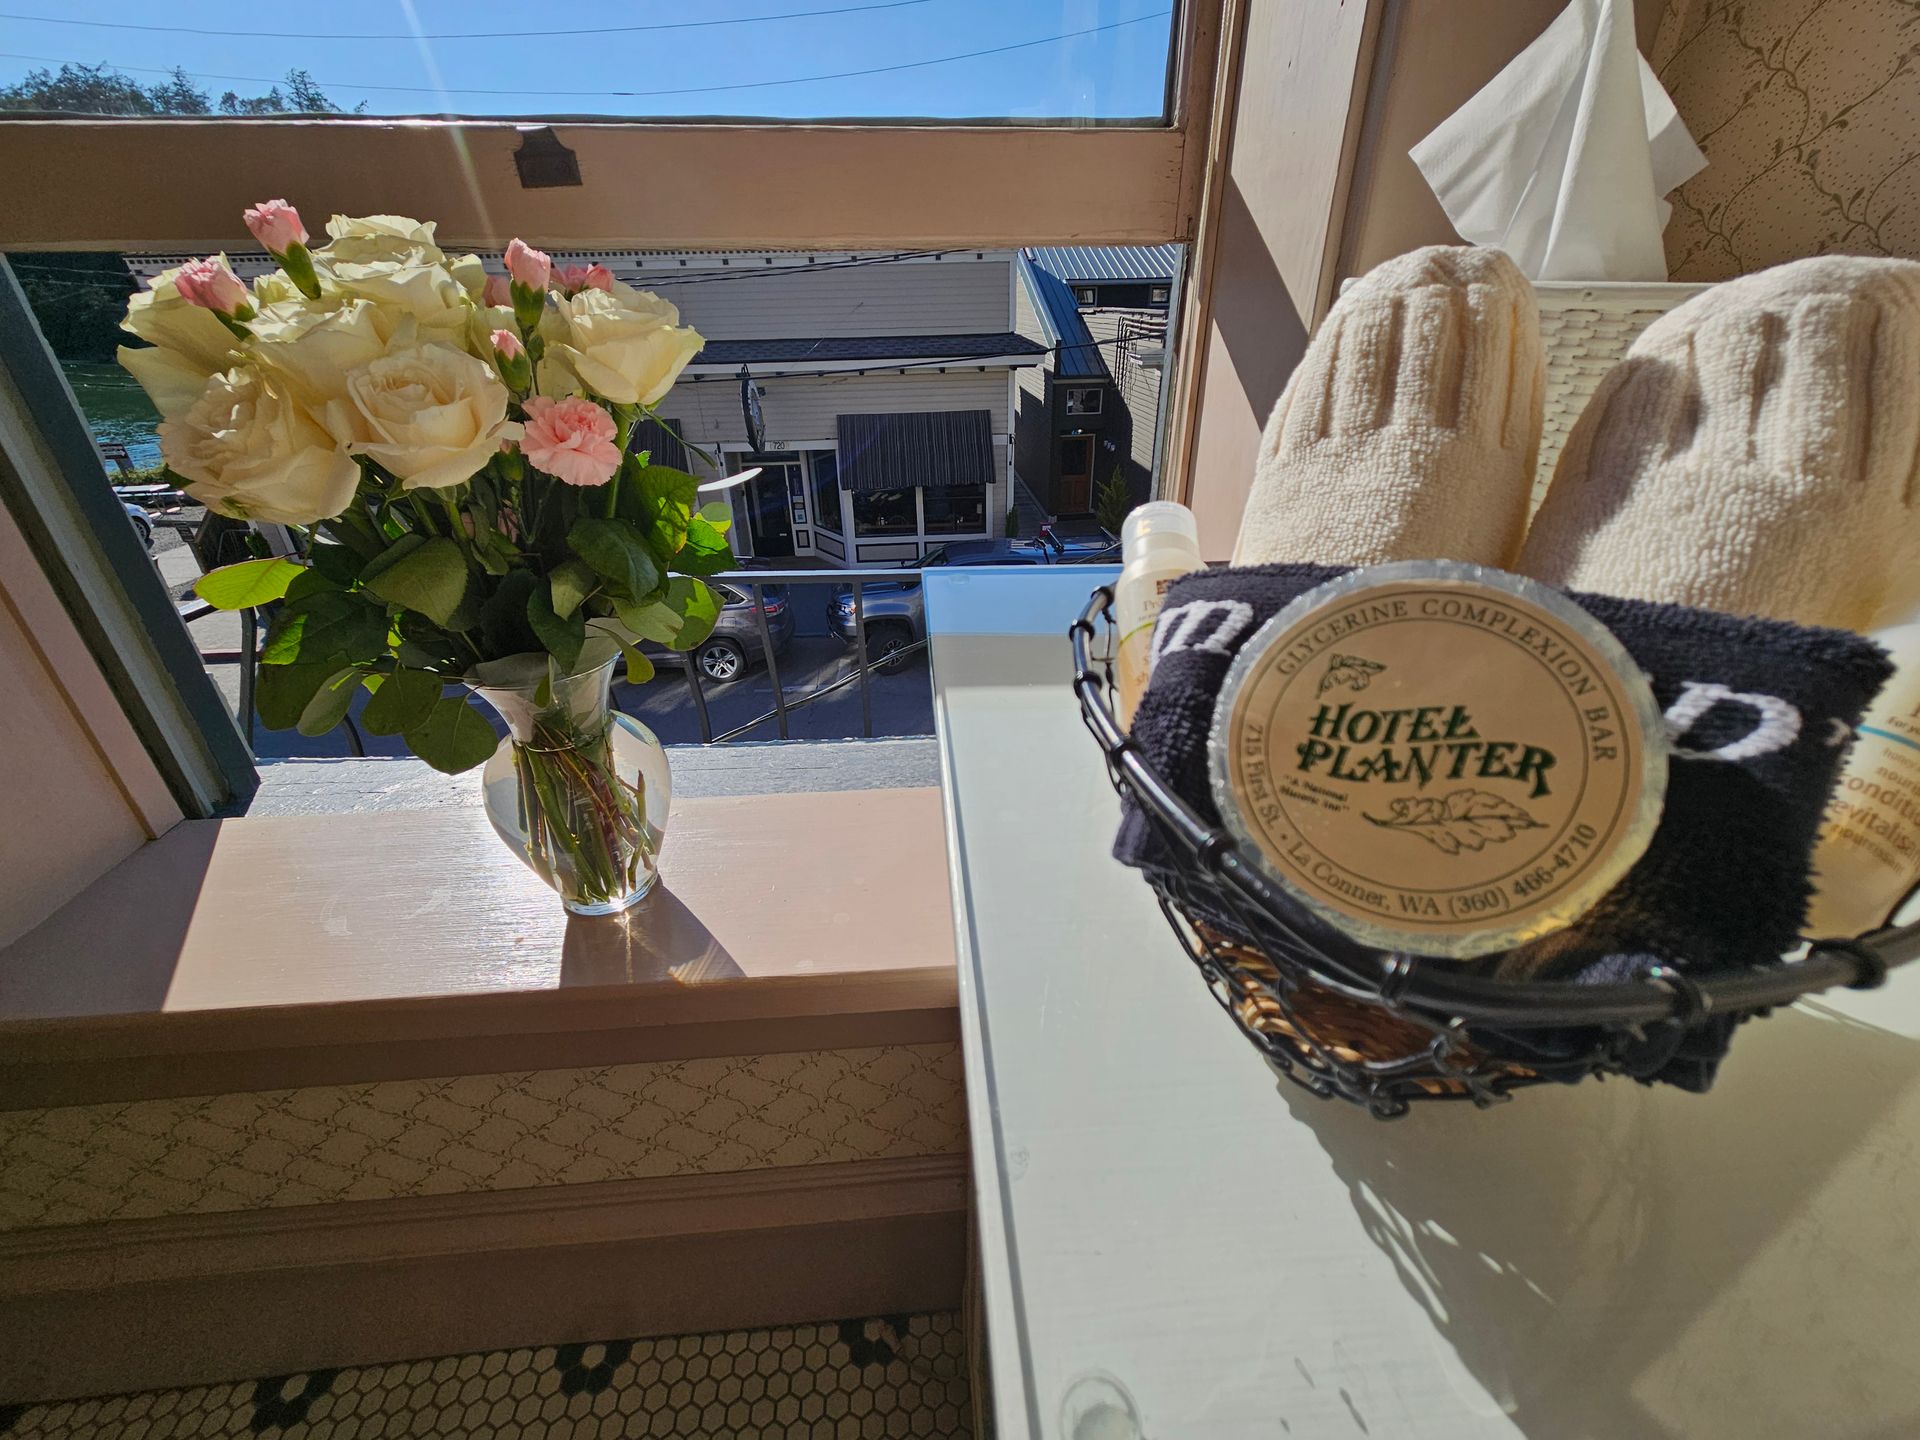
1437 758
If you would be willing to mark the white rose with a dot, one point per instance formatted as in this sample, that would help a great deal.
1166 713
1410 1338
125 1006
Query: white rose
311 345
274 287
429 414
249 451
471 274
390 227
393 262
171 380
625 345
192 345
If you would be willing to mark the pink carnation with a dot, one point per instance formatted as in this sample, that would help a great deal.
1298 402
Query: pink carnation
572 440
508 344
276 225
498 291
211 285
575 278
527 265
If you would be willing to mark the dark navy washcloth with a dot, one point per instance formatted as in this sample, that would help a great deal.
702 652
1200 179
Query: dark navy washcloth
1759 713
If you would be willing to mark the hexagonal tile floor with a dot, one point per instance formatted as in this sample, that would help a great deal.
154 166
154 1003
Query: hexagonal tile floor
896 1377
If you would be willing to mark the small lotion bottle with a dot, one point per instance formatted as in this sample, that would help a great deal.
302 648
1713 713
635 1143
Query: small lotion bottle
1868 855
1159 542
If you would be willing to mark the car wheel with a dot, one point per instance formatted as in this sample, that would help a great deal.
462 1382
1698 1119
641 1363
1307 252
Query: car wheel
144 529
720 660
885 644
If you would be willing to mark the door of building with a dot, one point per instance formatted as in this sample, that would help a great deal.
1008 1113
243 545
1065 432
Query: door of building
767 513
1073 495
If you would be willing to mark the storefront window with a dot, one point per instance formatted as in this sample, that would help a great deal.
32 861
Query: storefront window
885 512
955 509
826 490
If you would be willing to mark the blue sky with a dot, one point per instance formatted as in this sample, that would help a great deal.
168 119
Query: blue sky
1116 72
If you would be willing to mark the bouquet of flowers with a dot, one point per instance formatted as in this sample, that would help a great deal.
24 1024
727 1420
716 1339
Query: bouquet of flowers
452 450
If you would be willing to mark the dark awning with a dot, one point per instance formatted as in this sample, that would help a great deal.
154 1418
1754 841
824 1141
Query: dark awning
928 448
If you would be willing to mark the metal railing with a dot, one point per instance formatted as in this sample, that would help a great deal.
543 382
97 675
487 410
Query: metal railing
754 583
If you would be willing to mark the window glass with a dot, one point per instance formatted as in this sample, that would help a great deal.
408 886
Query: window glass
784 59
826 490
955 509
966 344
884 512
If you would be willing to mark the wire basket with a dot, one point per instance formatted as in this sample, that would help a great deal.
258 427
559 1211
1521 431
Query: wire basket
1384 1030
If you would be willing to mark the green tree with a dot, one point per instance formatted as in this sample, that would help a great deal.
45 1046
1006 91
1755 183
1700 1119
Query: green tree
1114 503
102 90
78 296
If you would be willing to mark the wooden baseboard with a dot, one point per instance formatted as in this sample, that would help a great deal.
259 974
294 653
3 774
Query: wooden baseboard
142 1304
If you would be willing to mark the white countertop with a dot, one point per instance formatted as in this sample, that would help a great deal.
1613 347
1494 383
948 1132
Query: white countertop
1603 1260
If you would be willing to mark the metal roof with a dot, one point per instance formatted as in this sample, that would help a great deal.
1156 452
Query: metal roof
1092 264
958 348
1061 325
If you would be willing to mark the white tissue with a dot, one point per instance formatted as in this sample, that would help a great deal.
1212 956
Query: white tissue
1563 158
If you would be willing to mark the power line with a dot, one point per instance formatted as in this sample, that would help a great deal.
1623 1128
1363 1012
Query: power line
631 94
463 35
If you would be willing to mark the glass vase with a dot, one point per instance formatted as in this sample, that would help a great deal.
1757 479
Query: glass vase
578 790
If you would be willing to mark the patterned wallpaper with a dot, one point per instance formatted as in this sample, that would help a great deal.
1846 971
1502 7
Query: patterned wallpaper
477 1132
1809 114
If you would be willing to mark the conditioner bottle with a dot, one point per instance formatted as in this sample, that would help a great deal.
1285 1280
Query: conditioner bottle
1159 542
1868 856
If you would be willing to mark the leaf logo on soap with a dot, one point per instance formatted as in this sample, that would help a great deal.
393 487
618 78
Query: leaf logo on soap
1464 820
1350 671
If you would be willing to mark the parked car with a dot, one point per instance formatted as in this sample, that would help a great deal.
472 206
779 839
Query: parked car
142 523
894 610
735 645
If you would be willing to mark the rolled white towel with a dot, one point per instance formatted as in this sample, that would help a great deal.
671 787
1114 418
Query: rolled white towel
1410 429
1755 452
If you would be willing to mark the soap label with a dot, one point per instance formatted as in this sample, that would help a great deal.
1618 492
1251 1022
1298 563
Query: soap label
1439 758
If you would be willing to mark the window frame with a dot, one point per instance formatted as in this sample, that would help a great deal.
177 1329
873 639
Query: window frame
888 183
1098 392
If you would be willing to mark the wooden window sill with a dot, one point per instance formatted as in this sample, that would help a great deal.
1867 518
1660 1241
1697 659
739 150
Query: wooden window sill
260 953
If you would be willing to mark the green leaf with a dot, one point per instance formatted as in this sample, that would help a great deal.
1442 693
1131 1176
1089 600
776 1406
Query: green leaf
424 644
335 626
430 577
309 583
561 637
281 692
666 504
328 707
651 620
718 515
336 563
639 667
617 551
283 638
453 737
504 628
570 583
405 545
401 702
706 551
248 584
698 608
